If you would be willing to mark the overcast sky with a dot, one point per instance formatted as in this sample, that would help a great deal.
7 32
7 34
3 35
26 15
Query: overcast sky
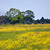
41 8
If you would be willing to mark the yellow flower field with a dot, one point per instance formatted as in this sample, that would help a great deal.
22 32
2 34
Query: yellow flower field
25 37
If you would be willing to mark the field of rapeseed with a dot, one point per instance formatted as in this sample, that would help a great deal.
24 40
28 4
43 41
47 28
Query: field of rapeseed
25 37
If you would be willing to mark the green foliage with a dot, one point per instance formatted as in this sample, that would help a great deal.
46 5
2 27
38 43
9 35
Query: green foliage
14 16
12 12
29 13
16 19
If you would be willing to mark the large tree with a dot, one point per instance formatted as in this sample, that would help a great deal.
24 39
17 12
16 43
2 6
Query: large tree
14 15
29 15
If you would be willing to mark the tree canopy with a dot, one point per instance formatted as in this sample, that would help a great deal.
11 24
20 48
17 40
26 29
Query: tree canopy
14 16
12 12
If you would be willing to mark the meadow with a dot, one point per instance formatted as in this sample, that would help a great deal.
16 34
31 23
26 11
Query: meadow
25 37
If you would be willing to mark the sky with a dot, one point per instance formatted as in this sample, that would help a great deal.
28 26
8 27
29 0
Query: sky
41 8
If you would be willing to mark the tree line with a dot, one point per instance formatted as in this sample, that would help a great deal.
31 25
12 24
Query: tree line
15 16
